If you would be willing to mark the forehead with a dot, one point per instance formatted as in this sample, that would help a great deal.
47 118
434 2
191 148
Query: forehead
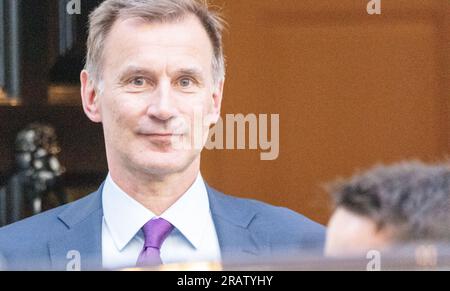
170 44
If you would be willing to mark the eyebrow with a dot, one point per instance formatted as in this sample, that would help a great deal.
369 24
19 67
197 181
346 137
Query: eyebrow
134 70
190 72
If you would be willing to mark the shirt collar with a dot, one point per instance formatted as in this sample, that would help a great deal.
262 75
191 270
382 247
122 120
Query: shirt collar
125 217
190 214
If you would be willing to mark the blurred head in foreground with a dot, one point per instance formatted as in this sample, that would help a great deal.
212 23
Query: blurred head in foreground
389 206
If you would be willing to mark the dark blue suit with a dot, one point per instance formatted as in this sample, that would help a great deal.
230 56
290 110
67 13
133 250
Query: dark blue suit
246 230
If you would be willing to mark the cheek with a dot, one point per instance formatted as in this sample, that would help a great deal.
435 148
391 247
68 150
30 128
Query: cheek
195 108
209 101
114 114
122 109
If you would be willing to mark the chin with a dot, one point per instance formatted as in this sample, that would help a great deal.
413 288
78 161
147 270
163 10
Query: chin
165 164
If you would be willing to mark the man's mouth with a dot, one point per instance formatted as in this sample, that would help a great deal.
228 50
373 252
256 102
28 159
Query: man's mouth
163 138
164 134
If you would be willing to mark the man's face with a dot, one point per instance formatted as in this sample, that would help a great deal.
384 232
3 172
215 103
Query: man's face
349 234
156 80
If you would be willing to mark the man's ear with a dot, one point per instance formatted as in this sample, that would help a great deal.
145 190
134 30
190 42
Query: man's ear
89 98
217 102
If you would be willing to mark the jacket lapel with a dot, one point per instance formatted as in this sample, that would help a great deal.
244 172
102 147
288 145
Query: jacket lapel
232 220
83 220
82 239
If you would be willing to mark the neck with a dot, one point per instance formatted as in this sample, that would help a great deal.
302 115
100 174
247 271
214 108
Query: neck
156 193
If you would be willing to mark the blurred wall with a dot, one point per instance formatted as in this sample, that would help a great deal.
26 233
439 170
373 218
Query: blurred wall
352 90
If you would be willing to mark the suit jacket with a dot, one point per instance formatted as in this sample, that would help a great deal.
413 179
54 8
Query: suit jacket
247 230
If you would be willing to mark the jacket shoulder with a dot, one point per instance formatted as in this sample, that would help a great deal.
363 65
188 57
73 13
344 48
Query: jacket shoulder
29 237
277 225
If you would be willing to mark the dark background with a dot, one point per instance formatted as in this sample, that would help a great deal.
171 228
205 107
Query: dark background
44 48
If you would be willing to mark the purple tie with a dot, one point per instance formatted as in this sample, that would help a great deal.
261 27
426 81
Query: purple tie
155 232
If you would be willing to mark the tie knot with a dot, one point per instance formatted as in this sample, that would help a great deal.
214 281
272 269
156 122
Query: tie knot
155 232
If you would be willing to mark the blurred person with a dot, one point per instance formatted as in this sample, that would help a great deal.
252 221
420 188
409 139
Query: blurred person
390 206
151 66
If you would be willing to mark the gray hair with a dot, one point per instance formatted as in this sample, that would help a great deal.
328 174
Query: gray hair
103 18
411 198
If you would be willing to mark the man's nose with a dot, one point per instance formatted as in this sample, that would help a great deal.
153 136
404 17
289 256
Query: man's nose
161 105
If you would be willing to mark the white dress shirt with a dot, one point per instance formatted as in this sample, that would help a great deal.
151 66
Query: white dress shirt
194 238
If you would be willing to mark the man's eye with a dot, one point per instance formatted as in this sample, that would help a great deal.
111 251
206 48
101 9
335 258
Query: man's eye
138 82
185 82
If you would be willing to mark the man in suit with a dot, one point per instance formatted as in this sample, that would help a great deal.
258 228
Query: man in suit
152 67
